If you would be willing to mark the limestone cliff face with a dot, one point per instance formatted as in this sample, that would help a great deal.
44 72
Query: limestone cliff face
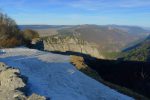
70 43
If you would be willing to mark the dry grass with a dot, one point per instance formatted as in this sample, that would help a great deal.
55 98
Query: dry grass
78 62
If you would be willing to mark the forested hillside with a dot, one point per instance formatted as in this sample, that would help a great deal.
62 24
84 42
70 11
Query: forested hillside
139 52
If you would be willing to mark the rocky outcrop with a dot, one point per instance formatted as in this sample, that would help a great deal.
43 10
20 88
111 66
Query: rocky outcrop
36 97
70 43
11 85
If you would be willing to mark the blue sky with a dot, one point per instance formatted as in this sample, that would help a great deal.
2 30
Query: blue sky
72 12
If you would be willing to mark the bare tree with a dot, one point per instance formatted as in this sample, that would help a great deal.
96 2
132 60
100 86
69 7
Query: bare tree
10 34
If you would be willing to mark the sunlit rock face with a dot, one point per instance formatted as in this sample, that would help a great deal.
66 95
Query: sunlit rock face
71 43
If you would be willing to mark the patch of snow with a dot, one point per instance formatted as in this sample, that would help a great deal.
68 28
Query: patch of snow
53 76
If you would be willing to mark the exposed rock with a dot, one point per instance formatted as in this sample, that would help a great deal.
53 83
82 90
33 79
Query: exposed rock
2 67
70 43
36 97
11 85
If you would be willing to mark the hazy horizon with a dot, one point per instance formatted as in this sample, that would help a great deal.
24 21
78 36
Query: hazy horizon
86 24
78 12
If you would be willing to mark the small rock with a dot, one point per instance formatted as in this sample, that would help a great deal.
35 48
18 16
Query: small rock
2 66
36 97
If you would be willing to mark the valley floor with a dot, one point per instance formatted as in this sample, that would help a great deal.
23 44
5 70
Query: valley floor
53 76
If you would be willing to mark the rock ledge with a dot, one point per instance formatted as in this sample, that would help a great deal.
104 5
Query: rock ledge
12 85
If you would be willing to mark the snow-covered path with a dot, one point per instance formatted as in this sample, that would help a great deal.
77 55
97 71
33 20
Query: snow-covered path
53 76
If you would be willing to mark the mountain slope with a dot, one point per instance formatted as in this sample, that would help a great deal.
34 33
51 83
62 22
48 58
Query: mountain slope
139 52
109 39
135 30
53 76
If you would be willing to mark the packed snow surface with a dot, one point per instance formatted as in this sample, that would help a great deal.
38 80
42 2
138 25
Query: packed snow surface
53 76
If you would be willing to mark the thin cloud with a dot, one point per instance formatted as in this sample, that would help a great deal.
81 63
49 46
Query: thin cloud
135 3
102 4
77 4
12 3
77 11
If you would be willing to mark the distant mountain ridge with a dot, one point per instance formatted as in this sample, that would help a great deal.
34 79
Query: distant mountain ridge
131 29
23 27
122 27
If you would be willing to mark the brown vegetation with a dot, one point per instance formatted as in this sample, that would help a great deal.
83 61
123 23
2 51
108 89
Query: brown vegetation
78 62
30 34
12 42
10 35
